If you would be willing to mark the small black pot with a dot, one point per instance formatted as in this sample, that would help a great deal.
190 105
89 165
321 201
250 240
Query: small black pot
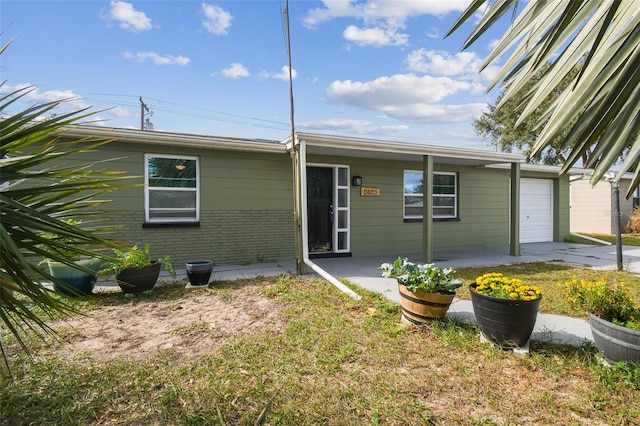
199 271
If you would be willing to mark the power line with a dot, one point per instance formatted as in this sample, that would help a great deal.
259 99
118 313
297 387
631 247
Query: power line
276 124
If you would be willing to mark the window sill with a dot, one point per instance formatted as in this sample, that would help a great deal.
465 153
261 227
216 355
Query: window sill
171 225
439 219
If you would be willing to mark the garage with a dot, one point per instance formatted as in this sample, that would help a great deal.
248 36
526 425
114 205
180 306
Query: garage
536 210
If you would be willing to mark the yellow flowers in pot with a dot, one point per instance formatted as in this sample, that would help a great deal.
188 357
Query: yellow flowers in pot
495 284
609 301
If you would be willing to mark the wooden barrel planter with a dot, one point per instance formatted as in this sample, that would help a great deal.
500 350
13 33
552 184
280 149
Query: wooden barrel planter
421 307
616 343
506 323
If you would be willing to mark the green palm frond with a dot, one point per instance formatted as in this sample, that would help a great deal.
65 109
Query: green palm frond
39 191
601 106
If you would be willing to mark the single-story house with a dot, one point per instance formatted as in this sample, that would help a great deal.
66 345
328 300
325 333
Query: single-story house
593 208
241 201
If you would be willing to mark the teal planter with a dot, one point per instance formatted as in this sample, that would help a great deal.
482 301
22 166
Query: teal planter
76 282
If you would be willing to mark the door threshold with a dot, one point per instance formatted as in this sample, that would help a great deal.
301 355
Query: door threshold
328 255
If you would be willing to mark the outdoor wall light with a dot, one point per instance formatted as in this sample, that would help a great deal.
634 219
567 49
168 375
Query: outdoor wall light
356 180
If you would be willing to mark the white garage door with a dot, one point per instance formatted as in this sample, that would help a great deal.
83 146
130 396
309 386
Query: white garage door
536 210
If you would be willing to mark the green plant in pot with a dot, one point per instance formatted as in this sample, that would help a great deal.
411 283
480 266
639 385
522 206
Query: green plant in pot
426 291
134 269
78 276
614 317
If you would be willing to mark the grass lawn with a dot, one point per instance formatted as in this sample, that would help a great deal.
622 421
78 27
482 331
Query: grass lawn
321 358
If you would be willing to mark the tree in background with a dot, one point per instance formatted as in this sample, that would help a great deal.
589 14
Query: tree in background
499 126
598 112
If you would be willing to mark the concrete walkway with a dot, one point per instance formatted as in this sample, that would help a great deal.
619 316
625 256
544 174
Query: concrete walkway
364 272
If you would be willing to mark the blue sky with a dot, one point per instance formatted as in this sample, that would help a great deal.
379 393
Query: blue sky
378 69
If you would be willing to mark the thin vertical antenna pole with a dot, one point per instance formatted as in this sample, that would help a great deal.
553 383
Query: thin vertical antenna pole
286 11
294 155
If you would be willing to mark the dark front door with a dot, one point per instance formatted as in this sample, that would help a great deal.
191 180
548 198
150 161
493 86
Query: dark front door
320 208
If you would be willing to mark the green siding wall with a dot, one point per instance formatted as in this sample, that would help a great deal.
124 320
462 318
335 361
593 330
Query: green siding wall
225 236
377 224
245 205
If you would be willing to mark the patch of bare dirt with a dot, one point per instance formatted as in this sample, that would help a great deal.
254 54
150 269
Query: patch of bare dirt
193 324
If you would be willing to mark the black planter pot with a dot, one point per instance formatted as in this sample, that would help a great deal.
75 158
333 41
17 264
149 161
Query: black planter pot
199 271
137 280
616 343
506 323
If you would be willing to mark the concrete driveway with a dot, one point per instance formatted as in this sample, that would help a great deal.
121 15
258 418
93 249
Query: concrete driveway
364 270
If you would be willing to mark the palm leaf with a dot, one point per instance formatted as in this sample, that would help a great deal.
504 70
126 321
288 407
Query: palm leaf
36 196
601 106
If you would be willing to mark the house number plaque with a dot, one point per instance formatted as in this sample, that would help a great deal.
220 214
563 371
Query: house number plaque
369 192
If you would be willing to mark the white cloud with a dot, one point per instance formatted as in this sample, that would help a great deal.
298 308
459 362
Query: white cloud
377 10
409 97
377 36
282 75
353 126
382 19
436 114
128 18
217 20
399 89
236 70
157 59
463 65
439 62
67 97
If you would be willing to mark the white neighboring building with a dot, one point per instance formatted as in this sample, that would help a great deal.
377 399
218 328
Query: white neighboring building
592 208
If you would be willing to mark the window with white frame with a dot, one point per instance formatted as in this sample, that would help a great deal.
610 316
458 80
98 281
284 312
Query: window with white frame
445 192
172 188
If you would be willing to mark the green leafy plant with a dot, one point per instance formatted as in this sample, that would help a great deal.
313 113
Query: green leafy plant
61 240
610 301
134 257
424 277
495 284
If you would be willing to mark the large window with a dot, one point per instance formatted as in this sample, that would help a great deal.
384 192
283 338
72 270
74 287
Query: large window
445 204
172 188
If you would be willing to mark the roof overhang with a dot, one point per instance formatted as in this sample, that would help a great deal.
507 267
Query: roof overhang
174 139
319 144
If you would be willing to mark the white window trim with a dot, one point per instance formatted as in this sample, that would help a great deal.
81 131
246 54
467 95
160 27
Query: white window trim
146 190
435 216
